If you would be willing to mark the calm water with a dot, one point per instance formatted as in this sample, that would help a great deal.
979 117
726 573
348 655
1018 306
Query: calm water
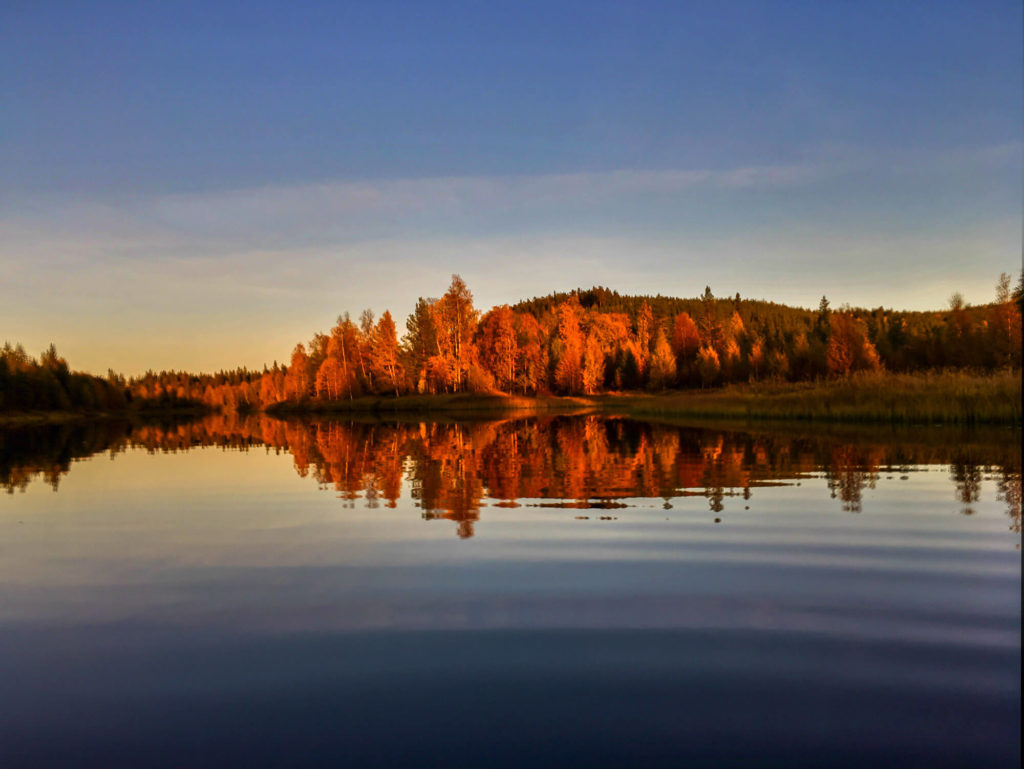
566 592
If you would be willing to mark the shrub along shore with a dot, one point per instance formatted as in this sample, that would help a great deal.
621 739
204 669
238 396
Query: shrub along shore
927 398
948 397
26 418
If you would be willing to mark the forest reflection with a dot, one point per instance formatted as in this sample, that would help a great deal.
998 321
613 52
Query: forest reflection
453 469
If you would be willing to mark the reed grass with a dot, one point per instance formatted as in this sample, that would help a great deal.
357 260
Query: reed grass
943 397
459 403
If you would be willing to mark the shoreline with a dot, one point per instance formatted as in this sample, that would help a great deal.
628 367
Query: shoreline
43 418
945 398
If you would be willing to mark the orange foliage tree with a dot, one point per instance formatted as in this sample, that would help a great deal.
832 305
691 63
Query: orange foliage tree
569 368
297 380
848 347
498 346
385 360
455 322
663 363
575 343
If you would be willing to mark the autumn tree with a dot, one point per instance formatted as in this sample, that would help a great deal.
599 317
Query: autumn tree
592 374
569 366
580 342
778 364
613 333
53 362
297 380
385 360
317 351
532 359
708 365
644 326
498 346
803 362
663 363
685 338
330 380
685 344
729 358
848 347
365 348
735 328
756 357
1005 326
336 376
455 322
421 343
272 386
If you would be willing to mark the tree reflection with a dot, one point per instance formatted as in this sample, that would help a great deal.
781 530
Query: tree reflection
967 477
1009 486
851 469
452 470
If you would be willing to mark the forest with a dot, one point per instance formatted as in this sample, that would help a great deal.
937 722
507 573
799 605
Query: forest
584 342
47 384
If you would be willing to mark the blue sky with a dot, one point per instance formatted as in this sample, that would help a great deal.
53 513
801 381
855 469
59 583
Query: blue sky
202 185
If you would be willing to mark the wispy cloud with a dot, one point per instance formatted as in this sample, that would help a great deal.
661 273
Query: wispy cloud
356 203
78 232
256 304
255 270
302 215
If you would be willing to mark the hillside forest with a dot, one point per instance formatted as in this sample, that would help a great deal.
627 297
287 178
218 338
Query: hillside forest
578 343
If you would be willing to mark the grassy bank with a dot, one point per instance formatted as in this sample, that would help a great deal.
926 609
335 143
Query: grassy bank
955 398
461 403
935 398
31 418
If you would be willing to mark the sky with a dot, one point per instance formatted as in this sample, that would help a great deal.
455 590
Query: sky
201 185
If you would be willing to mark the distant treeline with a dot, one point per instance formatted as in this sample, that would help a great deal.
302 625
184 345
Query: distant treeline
578 343
597 340
49 385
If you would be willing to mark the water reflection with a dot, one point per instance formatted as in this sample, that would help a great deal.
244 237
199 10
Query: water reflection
209 608
453 469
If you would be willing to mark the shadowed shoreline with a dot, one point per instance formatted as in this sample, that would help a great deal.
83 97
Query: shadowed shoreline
935 398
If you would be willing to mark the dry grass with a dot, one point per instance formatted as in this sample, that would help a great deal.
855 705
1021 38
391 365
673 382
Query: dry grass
461 403
947 397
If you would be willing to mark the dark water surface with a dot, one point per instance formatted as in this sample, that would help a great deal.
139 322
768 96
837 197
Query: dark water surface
572 591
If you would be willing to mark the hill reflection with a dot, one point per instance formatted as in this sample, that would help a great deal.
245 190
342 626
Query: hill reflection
454 469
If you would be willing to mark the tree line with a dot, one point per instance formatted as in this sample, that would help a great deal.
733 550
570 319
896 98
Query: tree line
577 343
591 341
47 384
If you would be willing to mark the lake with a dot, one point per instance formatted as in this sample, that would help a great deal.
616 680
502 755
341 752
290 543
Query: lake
559 591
